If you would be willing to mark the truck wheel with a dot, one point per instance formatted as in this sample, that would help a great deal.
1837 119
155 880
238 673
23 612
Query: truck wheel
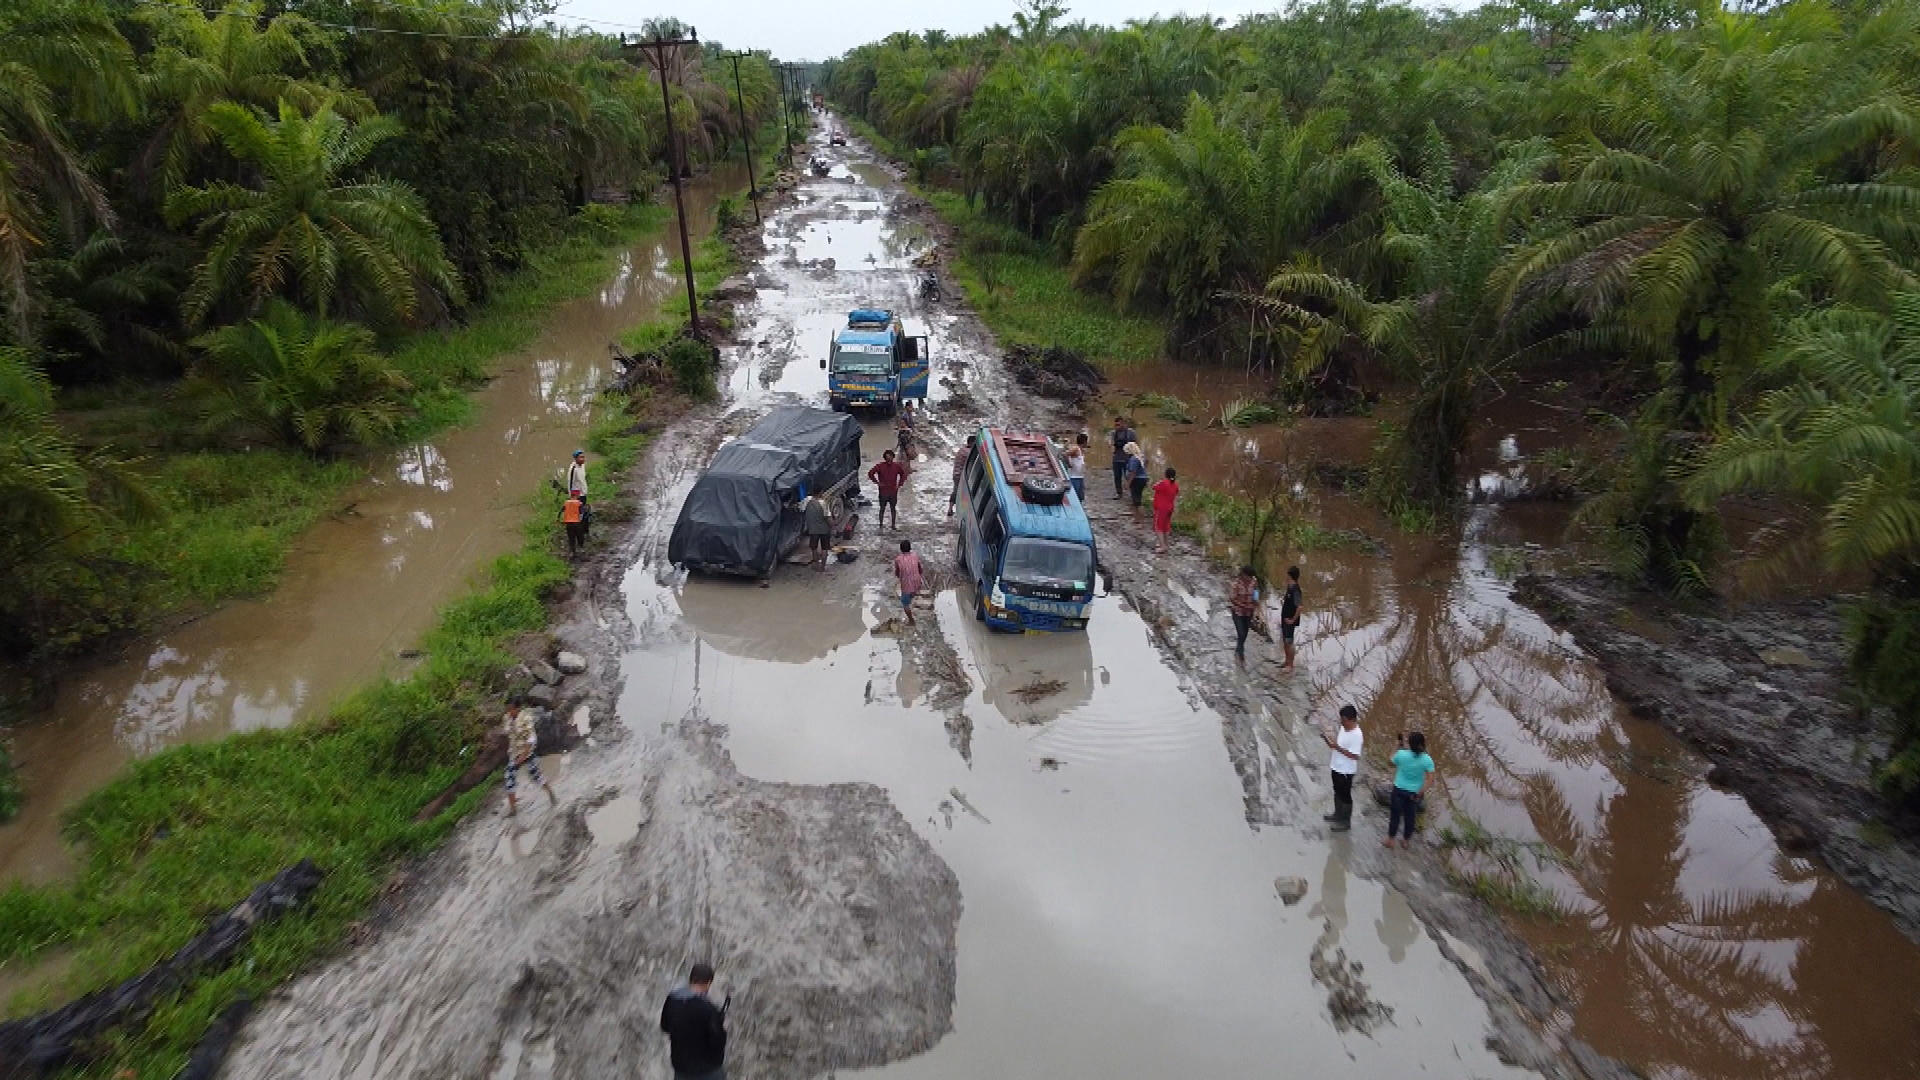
979 606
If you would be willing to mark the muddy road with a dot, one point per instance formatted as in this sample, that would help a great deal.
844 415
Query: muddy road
360 586
930 851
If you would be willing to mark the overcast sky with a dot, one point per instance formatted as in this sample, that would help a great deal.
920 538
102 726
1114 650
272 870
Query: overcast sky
818 29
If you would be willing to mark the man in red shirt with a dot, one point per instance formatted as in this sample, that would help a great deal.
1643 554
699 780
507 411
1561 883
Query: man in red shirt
887 475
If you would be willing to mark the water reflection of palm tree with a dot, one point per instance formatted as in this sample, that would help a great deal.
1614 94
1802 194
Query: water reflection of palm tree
1688 974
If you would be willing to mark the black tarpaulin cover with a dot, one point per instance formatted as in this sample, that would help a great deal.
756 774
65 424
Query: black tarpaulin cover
741 514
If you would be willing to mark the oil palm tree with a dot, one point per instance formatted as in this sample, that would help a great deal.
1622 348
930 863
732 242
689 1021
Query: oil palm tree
1211 210
59 62
1843 431
308 382
199 61
1729 176
302 228
1439 317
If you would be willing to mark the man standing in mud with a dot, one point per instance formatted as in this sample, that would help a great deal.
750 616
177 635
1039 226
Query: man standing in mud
1345 763
1290 615
1122 435
887 476
696 1028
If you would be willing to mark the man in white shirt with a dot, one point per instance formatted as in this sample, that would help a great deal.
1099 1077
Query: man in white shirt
1345 763
577 474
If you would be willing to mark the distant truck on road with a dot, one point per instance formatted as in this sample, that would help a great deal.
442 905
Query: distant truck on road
873 364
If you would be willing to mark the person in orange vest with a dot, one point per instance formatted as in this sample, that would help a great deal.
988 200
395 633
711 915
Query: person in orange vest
573 515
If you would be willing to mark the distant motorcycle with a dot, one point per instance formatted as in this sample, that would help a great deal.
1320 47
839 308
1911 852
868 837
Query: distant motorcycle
930 285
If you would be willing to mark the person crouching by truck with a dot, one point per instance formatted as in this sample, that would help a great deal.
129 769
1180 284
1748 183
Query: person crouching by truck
573 517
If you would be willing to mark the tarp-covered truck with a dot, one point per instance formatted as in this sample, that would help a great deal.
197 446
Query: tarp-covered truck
743 514
873 363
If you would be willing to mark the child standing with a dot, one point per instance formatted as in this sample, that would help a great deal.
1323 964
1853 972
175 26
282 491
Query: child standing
520 747
906 567
1411 767
1165 494
573 516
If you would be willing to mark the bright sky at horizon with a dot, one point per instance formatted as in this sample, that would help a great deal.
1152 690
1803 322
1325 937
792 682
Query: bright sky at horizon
821 29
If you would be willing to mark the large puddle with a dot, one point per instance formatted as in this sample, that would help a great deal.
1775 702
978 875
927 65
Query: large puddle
359 587
1691 944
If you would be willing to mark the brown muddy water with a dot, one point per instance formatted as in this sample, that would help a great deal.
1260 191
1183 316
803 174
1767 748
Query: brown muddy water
1689 942
360 586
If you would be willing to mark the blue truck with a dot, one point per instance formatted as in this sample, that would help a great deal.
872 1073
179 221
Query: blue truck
873 364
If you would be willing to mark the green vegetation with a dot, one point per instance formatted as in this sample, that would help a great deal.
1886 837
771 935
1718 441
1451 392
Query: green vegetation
1024 295
230 234
1165 406
191 830
1496 871
1270 521
1669 195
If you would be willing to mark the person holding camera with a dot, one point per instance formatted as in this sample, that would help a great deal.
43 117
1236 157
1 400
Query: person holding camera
1411 767
1345 763
696 1028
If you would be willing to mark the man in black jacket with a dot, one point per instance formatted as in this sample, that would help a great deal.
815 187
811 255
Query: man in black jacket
697 1028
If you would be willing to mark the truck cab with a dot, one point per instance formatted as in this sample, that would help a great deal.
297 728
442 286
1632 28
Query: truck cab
873 364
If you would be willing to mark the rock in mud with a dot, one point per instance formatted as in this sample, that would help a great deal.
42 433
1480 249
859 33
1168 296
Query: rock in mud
570 663
1290 889
543 695
546 672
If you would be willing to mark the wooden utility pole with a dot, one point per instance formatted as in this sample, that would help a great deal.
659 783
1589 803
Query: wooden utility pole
740 99
658 48
786 111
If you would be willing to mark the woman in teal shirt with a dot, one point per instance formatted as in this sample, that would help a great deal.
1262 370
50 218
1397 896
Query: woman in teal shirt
1411 766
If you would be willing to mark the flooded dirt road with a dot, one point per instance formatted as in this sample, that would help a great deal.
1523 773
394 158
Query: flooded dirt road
1689 943
359 587
799 788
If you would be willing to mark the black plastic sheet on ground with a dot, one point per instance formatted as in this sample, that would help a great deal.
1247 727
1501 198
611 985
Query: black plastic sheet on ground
742 513
42 1044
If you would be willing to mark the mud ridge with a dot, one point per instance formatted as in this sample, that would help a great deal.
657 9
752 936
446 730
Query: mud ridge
1762 692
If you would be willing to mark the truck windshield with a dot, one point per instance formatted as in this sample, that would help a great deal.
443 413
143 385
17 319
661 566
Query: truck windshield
1049 562
863 359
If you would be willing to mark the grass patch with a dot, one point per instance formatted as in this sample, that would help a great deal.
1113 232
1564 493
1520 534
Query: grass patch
1495 869
226 521
1023 294
1165 406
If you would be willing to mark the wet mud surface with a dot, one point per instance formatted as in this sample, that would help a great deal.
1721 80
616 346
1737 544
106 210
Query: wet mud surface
358 589
797 785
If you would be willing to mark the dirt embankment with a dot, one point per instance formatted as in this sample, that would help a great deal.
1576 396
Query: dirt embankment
1763 693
